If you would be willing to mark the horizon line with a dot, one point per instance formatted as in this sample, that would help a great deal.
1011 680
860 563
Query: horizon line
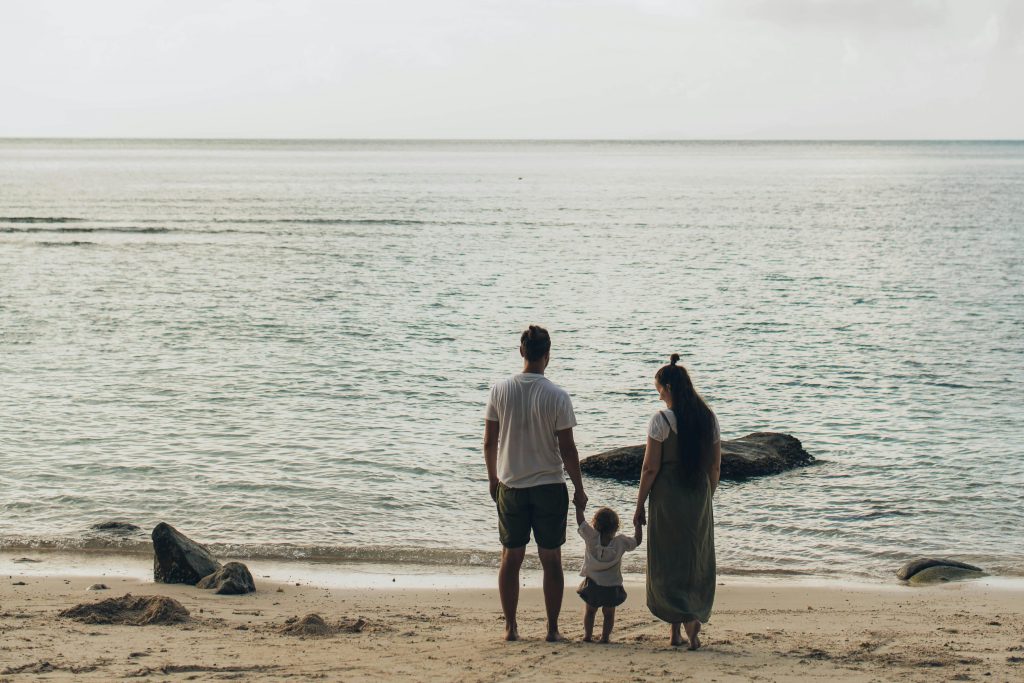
441 139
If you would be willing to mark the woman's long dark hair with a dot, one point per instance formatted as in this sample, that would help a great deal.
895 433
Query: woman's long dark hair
694 420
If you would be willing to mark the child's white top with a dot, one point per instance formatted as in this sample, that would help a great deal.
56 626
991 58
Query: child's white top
602 564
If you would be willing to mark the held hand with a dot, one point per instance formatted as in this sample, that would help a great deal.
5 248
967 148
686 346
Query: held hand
638 531
494 490
640 517
579 499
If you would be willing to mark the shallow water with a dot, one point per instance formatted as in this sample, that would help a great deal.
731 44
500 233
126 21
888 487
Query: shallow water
283 348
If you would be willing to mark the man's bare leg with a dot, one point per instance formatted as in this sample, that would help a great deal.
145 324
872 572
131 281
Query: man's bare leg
508 588
554 584
588 623
608 624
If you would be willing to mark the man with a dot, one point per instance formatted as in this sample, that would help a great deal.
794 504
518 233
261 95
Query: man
527 442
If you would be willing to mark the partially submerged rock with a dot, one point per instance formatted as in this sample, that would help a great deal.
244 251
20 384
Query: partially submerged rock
116 527
141 610
231 579
753 455
98 587
179 559
944 574
934 570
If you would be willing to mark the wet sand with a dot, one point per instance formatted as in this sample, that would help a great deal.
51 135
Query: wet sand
772 630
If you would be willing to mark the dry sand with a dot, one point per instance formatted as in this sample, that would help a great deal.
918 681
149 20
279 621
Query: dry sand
772 631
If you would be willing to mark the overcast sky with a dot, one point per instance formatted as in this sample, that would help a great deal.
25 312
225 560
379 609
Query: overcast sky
513 68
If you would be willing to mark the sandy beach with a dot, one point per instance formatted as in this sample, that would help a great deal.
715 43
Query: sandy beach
776 630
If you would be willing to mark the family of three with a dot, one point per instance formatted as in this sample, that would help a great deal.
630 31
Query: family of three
529 448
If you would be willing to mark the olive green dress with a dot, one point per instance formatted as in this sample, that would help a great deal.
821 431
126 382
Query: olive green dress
681 541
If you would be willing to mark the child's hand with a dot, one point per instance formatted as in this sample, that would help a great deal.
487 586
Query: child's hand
580 517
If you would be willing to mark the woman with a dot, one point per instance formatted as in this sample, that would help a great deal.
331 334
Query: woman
680 473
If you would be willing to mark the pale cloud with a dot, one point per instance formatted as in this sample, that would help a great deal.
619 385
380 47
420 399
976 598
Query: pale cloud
531 68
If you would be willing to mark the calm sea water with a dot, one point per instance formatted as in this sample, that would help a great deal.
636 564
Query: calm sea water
283 348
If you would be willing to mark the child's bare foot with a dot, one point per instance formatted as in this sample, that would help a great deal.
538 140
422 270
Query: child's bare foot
692 631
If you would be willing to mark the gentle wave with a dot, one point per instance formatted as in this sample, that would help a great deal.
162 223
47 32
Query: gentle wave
39 219
137 543
125 230
332 554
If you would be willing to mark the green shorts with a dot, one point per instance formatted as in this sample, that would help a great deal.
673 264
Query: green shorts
544 508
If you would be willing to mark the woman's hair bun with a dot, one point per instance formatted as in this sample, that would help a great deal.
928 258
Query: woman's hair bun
674 358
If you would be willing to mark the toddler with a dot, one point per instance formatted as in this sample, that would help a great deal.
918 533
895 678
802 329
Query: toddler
602 568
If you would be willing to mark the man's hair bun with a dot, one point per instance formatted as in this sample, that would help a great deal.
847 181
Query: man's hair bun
534 343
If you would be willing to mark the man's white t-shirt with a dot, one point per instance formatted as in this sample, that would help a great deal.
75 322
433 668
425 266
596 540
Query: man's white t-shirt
529 408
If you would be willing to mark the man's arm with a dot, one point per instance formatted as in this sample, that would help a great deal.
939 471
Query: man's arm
571 460
491 456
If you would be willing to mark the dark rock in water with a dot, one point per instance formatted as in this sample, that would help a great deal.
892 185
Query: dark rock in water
98 587
907 571
943 574
231 579
115 527
135 611
753 455
179 559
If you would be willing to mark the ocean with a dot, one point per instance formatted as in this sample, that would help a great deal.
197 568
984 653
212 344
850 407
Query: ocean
283 348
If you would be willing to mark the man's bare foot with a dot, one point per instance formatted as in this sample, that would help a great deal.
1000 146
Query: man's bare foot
692 632
511 633
605 640
677 637
588 639
555 637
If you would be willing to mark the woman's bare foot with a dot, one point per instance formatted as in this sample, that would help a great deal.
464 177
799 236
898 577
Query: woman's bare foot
605 640
677 637
555 637
588 639
692 632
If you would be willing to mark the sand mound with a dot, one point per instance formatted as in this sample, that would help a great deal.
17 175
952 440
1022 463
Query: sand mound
315 626
309 625
139 610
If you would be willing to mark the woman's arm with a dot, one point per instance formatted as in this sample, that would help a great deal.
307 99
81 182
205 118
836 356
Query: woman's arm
716 466
651 467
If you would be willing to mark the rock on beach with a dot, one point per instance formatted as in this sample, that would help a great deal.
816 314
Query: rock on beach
231 579
753 455
179 559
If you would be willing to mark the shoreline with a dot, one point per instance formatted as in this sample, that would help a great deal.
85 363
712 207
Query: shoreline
368 573
426 625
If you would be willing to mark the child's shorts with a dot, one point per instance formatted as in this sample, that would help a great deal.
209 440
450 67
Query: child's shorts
597 595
